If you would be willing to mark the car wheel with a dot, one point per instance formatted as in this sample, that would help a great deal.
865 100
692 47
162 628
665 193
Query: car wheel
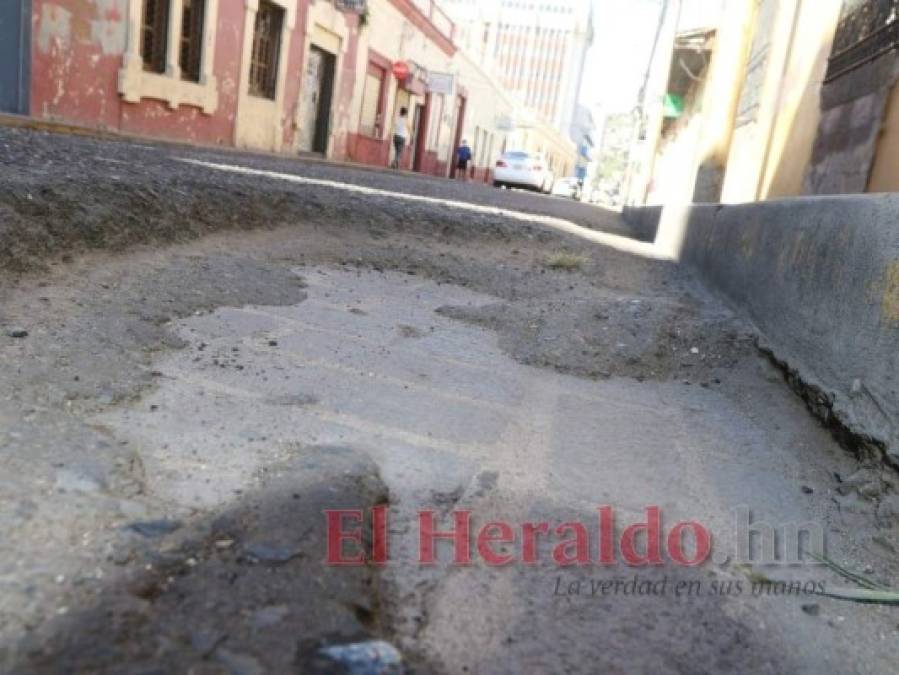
497 184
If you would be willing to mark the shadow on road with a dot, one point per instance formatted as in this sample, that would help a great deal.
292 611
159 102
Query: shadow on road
246 589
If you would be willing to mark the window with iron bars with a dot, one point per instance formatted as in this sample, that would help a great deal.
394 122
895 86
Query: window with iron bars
193 13
266 50
867 30
154 35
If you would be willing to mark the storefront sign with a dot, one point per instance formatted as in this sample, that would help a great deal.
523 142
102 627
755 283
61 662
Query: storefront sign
419 72
354 6
441 83
505 123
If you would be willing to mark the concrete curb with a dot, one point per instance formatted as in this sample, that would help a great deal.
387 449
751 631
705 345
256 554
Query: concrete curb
820 278
644 221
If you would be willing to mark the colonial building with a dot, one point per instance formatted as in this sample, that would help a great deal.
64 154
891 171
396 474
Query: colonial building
289 76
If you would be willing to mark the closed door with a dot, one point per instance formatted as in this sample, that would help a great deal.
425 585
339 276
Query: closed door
15 48
315 101
323 105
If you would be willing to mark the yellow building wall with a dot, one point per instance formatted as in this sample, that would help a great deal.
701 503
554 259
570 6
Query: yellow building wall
773 28
799 106
772 145
885 172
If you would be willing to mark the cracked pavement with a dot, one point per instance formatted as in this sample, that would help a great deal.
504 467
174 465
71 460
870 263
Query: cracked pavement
195 389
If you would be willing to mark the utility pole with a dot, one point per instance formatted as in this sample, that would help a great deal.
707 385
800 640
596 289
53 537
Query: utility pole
640 109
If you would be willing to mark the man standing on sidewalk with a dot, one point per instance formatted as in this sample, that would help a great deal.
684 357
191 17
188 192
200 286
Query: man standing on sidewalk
400 133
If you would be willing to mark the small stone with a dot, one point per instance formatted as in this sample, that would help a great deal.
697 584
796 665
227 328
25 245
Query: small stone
204 642
269 616
375 656
70 480
224 544
272 343
864 480
17 333
888 510
154 528
121 556
812 609
272 554
239 664
694 350
807 490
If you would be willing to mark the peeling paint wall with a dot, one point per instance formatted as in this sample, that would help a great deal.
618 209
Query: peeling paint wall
79 46
87 70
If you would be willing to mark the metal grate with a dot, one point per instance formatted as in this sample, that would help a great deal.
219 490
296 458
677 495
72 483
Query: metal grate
266 48
154 34
191 52
867 29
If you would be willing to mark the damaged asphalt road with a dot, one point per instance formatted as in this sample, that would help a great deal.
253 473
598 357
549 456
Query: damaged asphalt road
210 359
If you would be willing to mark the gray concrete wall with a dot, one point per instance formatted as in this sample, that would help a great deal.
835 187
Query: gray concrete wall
644 221
819 276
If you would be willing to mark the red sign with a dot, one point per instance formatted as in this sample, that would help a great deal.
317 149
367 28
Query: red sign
401 70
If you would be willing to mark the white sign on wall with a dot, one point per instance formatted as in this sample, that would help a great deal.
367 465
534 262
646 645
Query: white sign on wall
505 123
441 83
354 6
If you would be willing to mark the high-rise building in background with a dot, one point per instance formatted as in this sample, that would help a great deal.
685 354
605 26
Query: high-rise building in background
536 48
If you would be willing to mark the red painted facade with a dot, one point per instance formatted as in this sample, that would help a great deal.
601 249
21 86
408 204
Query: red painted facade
343 97
368 150
80 48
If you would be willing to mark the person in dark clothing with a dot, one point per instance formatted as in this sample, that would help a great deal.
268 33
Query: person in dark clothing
463 157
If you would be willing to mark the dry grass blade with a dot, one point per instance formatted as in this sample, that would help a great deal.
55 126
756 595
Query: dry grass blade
848 574
872 592
864 595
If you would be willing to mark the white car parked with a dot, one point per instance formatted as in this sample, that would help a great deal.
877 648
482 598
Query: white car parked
523 169
567 187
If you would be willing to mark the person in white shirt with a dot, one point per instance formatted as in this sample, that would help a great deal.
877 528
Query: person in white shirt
400 134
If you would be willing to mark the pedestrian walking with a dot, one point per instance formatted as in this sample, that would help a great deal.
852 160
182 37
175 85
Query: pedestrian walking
400 133
463 157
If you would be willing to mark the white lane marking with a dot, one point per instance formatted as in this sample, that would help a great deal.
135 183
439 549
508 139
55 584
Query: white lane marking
617 242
